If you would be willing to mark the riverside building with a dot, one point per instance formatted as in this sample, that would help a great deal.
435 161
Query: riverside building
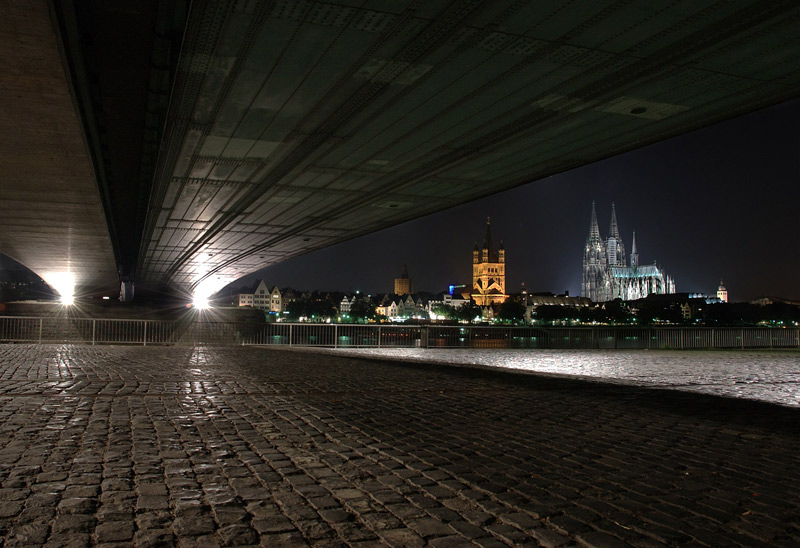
607 274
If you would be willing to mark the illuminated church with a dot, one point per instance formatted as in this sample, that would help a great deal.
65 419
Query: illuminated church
488 272
606 274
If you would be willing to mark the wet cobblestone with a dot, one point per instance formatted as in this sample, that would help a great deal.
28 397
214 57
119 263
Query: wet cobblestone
127 446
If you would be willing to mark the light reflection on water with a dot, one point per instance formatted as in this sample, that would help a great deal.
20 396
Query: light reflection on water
772 376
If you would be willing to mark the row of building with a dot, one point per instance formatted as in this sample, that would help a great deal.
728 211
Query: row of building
608 274
274 300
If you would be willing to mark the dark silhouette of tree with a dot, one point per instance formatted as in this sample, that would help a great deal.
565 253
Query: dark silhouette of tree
445 310
468 312
511 311
362 309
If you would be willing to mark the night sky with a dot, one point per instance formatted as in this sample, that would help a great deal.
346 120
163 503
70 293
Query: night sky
719 203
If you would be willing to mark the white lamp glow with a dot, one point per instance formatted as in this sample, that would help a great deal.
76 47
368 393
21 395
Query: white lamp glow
64 284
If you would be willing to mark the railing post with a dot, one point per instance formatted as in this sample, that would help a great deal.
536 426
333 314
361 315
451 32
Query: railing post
94 326
379 336
144 328
41 320
336 335
423 337
743 337
290 334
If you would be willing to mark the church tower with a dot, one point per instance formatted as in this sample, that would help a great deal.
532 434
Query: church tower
634 254
403 285
615 247
595 261
488 271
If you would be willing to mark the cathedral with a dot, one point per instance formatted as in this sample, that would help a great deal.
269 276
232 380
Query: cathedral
606 274
488 272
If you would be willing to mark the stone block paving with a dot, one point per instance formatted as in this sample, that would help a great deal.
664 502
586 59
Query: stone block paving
207 447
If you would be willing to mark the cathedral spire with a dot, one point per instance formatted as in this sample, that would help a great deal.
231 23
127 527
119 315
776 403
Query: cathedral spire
613 230
634 253
594 229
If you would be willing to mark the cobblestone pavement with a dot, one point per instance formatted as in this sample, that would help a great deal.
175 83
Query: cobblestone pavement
126 446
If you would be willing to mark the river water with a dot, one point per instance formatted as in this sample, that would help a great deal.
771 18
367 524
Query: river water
767 375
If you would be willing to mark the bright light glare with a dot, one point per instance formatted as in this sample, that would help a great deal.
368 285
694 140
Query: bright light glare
201 298
64 284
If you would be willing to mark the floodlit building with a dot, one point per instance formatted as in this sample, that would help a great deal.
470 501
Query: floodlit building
263 298
488 271
722 293
345 304
403 285
606 274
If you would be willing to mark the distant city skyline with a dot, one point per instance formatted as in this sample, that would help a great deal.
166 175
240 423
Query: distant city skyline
714 204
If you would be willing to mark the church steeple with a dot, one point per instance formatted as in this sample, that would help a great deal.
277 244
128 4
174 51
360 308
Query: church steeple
594 229
488 245
613 230
634 253
614 245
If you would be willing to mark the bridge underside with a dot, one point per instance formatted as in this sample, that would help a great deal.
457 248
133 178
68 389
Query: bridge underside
51 215
283 127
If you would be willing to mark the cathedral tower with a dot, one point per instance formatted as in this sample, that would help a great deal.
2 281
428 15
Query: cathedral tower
595 261
488 272
614 246
634 254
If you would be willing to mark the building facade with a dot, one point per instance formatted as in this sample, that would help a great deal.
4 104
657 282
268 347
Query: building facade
607 274
488 271
263 298
722 292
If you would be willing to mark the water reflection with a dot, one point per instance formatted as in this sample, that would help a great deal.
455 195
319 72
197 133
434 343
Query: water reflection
767 375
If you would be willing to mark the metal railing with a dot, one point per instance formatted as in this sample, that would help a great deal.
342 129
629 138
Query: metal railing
16 329
86 331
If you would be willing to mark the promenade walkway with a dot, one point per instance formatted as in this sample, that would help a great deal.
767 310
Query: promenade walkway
131 446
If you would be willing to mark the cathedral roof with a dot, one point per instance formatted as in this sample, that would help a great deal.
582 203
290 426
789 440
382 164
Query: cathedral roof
645 271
